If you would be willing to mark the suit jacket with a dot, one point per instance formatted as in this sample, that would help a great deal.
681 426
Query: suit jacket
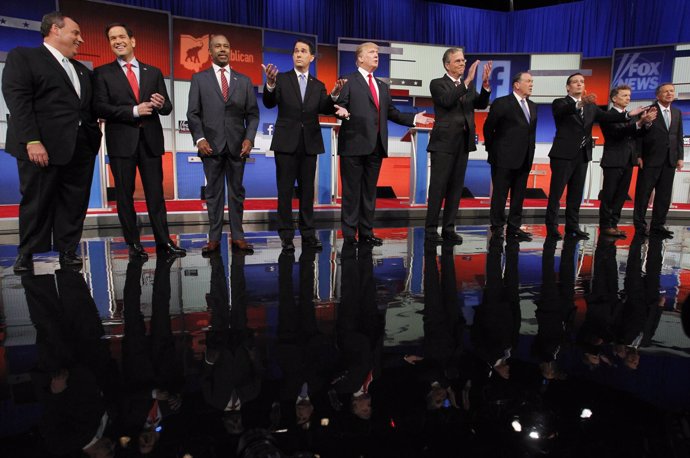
295 115
508 137
571 129
661 145
114 101
222 123
454 108
620 147
359 135
44 106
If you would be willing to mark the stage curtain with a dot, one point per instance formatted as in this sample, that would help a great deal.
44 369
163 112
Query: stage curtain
593 27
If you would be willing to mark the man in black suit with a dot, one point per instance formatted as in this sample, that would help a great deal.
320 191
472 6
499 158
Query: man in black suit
297 138
54 136
620 155
662 154
363 142
452 139
130 95
509 137
571 151
223 117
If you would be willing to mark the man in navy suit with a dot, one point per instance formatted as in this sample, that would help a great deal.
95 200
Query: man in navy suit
54 136
223 118
662 155
130 95
509 137
297 139
363 142
452 139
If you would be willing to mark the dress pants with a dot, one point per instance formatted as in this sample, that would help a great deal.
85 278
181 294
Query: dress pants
359 177
613 195
445 183
290 167
659 180
54 201
504 181
218 169
151 170
570 172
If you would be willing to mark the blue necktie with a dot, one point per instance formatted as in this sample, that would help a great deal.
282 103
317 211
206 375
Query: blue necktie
523 104
302 85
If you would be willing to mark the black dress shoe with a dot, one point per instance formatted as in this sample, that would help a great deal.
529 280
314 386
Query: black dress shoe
452 237
312 242
372 240
23 264
350 239
171 249
433 237
661 232
70 259
578 233
137 251
288 246
519 234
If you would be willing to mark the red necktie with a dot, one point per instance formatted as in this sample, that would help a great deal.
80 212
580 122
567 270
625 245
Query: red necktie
372 88
132 78
224 84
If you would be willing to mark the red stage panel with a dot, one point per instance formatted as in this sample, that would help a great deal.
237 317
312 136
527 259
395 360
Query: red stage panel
327 65
150 30
190 48
168 186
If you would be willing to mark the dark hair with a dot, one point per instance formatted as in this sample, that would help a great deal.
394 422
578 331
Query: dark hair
517 77
50 19
448 53
129 31
658 88
309 44
614 92
571 77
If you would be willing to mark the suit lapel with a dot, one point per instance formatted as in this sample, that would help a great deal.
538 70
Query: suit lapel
233 85
516 106
365 85
211 75
294 84
83 80
144 81
59 68
122 80
311 86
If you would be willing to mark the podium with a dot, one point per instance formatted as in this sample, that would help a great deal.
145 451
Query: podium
327 166
419 163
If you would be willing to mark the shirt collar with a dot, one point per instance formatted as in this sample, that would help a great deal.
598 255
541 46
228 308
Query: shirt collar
454 80
57 54
620 110
216 68
576 100
365 73
306 74
121 62
663 107
518 97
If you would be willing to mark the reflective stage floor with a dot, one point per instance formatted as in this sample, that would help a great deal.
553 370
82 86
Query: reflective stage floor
568 348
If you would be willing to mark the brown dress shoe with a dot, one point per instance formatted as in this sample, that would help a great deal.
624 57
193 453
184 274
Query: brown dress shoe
242 245
210 247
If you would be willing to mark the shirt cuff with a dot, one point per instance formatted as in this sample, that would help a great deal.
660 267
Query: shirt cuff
197 142
270 88
135 111
33 142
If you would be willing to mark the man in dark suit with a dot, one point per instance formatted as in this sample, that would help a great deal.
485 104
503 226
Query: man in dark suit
620 155
509 137
571 151
297 138
662 154
452 139
54 136
130 95
223 117
363 142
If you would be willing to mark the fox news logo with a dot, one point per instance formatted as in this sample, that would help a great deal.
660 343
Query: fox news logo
642 71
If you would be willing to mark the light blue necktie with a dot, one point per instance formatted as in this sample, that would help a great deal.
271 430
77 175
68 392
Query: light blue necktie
667 119
302 85
68 69
523 104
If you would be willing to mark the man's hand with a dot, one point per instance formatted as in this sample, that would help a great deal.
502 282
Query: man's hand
486 75
588 99
649 116
421 119
157 101
204 148
341 112
37 154
337 87
58 383
145 108
637 111
679 164
271 72
471 73
640 163
246 149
